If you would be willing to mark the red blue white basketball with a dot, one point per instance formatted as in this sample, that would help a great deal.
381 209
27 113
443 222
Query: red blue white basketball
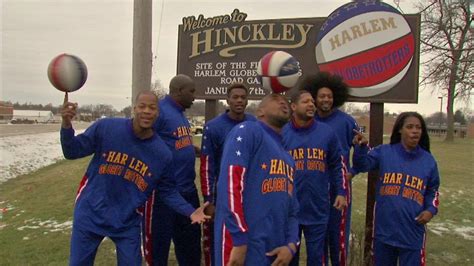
369 44
278 71
67 72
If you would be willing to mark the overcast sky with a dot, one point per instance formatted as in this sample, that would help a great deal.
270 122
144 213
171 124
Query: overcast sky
100 32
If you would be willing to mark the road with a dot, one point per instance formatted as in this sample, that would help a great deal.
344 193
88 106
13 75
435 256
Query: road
17 130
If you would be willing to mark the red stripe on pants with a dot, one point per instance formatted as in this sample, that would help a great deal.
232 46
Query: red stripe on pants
147 237
227 246
206 243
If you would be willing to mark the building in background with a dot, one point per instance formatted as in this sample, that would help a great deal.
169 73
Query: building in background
32 116
434 130
6 111
460 131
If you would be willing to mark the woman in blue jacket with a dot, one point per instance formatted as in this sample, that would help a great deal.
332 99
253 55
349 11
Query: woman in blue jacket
406 190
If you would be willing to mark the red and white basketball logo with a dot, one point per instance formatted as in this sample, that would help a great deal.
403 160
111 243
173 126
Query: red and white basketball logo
369 44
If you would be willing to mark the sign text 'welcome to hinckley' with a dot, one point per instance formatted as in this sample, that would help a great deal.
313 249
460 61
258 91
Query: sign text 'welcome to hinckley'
218 51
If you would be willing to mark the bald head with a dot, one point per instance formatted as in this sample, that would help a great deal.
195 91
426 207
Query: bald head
274 110
182 90
178 82
268 99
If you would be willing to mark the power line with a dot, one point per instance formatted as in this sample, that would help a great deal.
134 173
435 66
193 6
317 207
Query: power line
157 45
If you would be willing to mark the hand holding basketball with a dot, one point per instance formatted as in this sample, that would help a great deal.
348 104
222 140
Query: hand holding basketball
68 112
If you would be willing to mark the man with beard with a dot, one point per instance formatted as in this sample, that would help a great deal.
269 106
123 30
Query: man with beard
256 217
330 92
215 133
121 175
161 224
318 160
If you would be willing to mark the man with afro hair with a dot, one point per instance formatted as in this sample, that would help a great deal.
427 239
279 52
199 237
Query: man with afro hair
329 93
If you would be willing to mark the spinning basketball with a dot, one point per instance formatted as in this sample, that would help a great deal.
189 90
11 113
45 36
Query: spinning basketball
278 71
67 72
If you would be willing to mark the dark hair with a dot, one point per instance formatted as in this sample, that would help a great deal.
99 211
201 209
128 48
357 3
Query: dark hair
147 92
335 83
236 86
296 94
396 136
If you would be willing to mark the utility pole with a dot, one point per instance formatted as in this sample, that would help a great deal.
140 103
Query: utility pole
440 115
142 55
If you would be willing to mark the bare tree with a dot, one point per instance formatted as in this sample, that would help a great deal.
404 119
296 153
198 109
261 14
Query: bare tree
158 88
127 111
459 117
436 118
100 110
448 51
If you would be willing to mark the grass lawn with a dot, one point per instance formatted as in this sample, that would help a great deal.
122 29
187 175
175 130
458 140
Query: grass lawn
450 238
36 211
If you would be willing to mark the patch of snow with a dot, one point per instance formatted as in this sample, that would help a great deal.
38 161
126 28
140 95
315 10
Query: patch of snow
467 232
27 153
50 225
21 228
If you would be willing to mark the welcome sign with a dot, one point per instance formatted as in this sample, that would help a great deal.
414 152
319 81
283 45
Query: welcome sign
372 46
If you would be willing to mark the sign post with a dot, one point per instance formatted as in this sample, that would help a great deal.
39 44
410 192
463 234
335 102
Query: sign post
375 138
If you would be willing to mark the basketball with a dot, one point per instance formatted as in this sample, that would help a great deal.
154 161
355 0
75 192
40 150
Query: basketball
370 45
67 72
278 71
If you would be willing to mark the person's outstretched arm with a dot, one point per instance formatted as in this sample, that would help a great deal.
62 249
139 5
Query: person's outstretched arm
75 146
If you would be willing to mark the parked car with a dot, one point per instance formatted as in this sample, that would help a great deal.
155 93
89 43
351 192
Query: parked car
196 129
23 121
